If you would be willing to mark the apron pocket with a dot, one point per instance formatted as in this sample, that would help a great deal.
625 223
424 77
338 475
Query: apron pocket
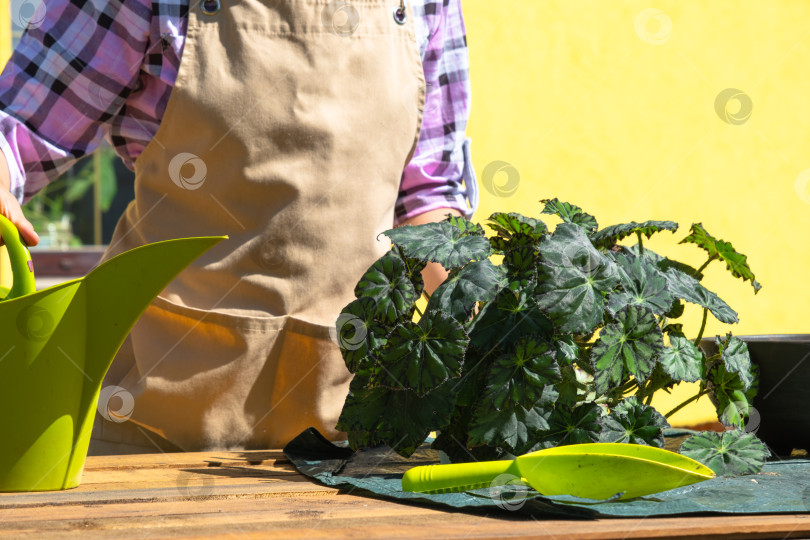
213 379
310 384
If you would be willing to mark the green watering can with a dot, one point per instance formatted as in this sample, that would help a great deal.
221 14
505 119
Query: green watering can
55 348
592 471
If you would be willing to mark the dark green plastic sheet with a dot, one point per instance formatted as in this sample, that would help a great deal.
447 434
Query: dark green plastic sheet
782 487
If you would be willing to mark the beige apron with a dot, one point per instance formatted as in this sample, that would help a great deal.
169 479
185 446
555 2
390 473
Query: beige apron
287 130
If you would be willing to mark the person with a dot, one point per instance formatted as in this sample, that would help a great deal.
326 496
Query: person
299 129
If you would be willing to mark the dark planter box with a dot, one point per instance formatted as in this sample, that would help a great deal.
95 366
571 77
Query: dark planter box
63 263
53 266
782 405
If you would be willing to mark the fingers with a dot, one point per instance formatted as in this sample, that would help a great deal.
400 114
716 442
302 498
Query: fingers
29 235
10 208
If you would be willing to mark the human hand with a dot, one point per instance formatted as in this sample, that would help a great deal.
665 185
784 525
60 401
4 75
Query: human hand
10 208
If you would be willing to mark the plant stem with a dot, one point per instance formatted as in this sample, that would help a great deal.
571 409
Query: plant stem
687 402
649 399
699 270
642 390
702 326
640 243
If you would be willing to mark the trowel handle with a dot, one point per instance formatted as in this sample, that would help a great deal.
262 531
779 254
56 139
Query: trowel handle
457 477
22 268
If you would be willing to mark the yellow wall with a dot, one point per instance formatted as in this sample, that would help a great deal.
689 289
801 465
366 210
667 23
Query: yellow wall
5 54
612 107
598 108
5 32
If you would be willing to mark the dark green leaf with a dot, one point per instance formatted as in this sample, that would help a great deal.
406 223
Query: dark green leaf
512 425
630 346
521 264
521 254
455 446
573 386
400 419
673 328
421 356
363 439
729 453
699 236
413 269
359 335
570 213
665 264
635 423
737 263
517 241
682 360
688 288
511 224
511 315
661 262
676 310
752 392
470 386
659 379
728 395
452 438
735 354
476 282
574 277
567 350
579 425
735 413
465 227
615 233
451 244
642 285
520 376
388 284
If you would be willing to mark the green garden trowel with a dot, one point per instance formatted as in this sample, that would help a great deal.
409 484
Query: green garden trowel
55 348
592 471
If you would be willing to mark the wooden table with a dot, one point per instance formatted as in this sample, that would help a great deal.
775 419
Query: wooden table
259 495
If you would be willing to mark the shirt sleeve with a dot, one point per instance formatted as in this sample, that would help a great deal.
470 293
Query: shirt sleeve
69 75
439 174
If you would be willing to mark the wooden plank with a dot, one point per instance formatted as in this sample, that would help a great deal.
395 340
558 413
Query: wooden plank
465 526
191 483
348 516
133 494
486 528
187 459
91 479
258 494
156 476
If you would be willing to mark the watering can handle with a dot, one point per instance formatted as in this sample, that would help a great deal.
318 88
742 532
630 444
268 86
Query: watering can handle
22 268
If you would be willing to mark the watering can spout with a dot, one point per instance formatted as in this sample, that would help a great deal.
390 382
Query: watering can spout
120 289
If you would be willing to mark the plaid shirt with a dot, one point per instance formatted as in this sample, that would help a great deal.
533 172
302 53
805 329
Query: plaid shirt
87 70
